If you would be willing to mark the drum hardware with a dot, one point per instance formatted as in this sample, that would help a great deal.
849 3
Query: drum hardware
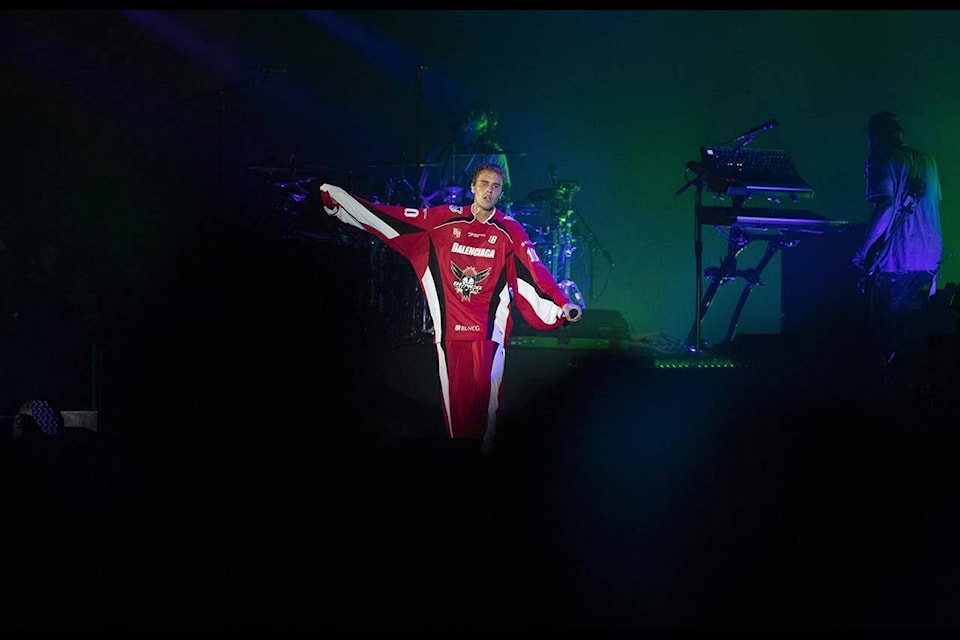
572 292
273 166
560 243
524 209
294 188
399 191
452 194
283 184
545 195
448 194
289 176
562 191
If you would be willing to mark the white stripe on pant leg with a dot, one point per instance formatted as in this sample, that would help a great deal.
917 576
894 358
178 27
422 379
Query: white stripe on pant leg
445 387
496 378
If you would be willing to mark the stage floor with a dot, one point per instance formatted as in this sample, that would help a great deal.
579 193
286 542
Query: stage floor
623 494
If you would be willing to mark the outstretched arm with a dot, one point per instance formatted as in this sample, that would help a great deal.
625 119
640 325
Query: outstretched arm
403 229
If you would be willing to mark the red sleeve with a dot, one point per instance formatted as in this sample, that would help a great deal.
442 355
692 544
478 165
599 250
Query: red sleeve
404 229
536 294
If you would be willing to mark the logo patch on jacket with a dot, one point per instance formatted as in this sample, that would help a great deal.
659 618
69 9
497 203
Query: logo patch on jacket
468 280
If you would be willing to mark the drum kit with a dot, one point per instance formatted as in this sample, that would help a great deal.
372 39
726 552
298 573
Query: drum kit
549 217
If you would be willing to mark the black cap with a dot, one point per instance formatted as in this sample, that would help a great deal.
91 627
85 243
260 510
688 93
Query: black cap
884 122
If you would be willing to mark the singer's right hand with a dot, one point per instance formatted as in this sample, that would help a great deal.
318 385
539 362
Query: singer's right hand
571 313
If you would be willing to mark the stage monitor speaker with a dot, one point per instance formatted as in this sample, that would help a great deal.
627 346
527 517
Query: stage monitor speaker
606 324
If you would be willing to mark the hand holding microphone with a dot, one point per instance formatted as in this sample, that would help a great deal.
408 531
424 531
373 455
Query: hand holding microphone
571 313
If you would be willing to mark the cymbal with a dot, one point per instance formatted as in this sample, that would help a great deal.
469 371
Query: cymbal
286 183
562 191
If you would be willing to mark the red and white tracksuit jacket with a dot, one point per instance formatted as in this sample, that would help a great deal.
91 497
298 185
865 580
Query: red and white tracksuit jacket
470 273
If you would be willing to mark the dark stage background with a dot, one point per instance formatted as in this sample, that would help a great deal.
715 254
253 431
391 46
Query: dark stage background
130 130
269 452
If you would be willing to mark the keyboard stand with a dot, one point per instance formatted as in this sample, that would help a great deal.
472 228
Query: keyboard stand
727 271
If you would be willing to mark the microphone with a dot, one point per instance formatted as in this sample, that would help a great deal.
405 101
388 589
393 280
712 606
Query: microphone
574 312
769 124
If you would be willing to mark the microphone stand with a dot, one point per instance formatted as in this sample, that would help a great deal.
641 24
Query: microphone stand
697 179
418 158
595 246
221 95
